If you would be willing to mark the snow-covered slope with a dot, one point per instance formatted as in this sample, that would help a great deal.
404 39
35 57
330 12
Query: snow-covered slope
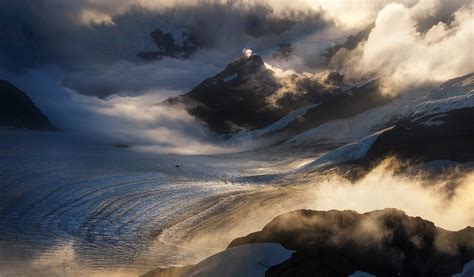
420 115
349 152
245 260
245 136
454 94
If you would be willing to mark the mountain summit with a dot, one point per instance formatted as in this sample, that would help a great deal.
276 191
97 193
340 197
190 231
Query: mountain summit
235 98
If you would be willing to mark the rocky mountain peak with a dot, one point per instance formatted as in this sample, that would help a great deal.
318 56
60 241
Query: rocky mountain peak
244 65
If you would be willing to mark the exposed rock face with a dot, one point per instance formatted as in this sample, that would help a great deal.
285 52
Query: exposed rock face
168 47
439 136
18 111
350 44
383 243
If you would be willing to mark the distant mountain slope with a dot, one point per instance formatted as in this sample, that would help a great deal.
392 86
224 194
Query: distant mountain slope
435 125
343 104
18 111
384 243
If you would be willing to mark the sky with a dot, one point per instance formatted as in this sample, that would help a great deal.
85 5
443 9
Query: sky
77 59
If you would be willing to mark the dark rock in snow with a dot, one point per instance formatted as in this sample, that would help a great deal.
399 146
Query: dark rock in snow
168 47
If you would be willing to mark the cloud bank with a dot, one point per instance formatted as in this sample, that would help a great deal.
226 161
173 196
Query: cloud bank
405 57
444 200
138 121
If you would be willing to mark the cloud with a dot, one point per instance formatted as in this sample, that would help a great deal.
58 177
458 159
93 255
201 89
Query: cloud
404 57
355 14
82 32
444 200
139 121
428 13
91 17
128 78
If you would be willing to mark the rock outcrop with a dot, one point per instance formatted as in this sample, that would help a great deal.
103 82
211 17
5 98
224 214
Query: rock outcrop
384 243
18 111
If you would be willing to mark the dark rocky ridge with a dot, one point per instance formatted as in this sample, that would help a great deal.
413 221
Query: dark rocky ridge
439 136
385 243
18 111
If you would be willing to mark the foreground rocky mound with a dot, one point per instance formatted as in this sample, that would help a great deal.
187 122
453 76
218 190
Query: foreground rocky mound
384 243
18 111
339 243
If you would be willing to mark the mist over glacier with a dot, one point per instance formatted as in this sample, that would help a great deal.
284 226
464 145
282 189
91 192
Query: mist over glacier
363 105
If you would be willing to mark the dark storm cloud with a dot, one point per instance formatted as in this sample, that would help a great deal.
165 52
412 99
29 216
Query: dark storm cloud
96 42
128 78
71 32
